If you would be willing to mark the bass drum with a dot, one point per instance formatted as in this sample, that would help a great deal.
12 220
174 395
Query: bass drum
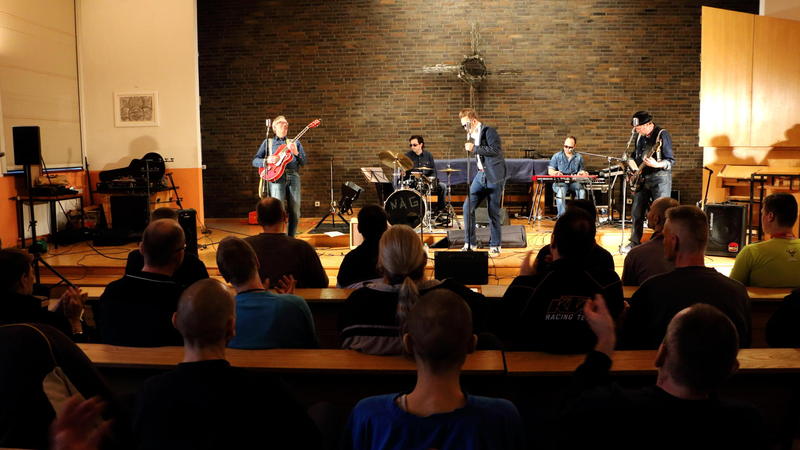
405 207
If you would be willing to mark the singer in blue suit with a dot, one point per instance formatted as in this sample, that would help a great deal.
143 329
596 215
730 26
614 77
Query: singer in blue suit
489 180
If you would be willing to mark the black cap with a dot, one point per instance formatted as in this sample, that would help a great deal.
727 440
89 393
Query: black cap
641 118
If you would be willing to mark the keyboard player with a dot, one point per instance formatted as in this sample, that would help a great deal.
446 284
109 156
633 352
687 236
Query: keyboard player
567 162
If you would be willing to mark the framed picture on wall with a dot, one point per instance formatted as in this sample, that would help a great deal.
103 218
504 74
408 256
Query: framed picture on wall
136 109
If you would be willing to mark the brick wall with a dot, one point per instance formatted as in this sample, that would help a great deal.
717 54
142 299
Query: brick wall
586 67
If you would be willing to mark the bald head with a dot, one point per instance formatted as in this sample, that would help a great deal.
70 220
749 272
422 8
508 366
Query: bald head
658 212
205 315
163 243
270 212
701 346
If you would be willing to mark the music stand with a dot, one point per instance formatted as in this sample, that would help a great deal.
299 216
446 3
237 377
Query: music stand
377 176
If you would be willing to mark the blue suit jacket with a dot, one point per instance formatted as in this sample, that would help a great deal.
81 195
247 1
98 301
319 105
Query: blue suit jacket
493 161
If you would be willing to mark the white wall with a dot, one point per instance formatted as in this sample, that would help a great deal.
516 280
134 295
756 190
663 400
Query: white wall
139 45
784 9
39 78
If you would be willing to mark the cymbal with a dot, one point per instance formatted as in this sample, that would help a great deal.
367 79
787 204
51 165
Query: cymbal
423 168
390 159
449 170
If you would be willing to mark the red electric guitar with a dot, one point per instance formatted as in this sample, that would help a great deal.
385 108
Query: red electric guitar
274 171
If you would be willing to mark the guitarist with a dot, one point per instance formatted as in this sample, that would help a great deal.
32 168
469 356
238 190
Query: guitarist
287 187
656 173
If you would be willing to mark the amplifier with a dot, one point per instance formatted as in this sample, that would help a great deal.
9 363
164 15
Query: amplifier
466 267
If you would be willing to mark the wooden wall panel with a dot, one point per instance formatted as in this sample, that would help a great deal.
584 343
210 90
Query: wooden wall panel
776 83
725 78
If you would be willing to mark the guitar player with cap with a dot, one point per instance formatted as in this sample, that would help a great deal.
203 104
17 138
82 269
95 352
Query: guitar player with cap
656 175
287 187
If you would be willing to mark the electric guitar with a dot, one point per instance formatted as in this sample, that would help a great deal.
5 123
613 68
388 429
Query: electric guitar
274 171
636 180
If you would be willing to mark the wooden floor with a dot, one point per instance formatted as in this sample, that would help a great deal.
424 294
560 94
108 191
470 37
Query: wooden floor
81 260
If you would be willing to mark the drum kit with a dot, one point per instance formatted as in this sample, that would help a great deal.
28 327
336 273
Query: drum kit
410 203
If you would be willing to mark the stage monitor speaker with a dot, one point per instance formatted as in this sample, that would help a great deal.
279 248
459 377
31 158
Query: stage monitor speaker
513 237
482 216
727 228
27 146
129 212
188 220
466 267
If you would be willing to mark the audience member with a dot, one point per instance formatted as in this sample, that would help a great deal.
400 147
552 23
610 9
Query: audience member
135 310
263 319
372 316
436 413
597 257
782 330
647 259
682 409
361 263
279 254
191 268
40 368
206 403
19 305
544 310
773 263
662 296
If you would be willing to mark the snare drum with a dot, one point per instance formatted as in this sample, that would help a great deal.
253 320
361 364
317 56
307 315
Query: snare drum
405 207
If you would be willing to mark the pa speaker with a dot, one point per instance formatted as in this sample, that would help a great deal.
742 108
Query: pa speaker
129 212
188 220
513 236
27 146
466 267
482 216
727 226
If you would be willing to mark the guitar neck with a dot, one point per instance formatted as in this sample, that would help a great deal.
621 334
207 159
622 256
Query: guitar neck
300 134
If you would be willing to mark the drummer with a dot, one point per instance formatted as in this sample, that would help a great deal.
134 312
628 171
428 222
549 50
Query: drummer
424 159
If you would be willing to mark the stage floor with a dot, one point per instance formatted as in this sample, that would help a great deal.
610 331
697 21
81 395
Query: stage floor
81 260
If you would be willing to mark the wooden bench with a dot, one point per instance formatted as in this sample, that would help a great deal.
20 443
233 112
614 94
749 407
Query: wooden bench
326 304
317 361
637 362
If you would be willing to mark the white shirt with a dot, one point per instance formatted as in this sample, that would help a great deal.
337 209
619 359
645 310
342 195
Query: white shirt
476 137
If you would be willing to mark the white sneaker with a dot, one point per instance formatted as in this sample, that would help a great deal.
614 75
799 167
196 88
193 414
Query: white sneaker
465 248
494 250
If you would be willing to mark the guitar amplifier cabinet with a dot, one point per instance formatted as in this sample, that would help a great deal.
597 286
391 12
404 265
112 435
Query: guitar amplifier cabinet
727 228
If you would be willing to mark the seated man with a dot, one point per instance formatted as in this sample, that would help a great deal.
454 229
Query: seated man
773 263
597 258
33 394
361 264
782 330
190 270
647 259
662 296
543 311
682 409
136 310
436 413
263 319
18 304
567 162
206 403
280 254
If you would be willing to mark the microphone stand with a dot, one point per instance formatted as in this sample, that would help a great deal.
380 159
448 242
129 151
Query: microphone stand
624 160
469 224
702 204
